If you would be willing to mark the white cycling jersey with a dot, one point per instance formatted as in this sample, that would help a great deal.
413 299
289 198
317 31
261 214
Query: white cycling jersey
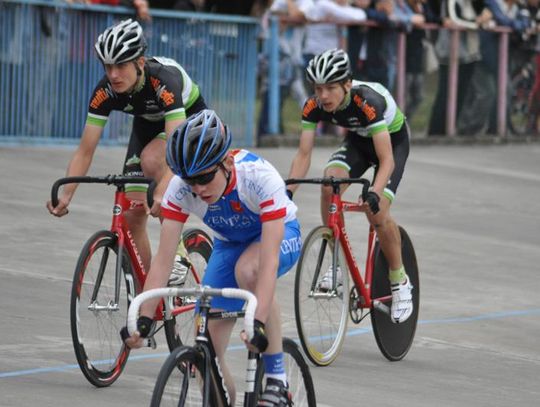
255 194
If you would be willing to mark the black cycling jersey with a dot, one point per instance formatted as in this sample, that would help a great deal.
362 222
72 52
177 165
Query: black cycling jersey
369 108
166 93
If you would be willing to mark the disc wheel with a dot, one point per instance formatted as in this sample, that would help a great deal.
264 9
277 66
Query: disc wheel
394 340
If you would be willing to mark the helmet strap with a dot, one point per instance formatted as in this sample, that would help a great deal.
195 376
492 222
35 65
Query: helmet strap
227 177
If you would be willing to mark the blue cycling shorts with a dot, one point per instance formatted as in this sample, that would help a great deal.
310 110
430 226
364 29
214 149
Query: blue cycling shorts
220 269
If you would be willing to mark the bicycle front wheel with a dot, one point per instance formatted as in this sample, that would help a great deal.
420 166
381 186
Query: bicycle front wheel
181 380
180 329
98 309
299 377
321 316
300 380
394 340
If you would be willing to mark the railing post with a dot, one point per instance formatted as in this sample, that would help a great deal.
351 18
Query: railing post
401 69
502 80
451 106
273 77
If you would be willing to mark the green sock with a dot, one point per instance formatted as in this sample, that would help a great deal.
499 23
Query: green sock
397 276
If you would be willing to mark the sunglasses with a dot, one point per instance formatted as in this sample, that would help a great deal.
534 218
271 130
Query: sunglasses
202 179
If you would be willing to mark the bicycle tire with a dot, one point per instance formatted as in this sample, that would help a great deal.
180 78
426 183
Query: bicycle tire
95 333
180 329
322 321
180 380
299 378
394 340
518 101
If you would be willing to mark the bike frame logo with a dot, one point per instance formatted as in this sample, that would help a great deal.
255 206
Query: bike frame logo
332 208
349 247
117 210
137 255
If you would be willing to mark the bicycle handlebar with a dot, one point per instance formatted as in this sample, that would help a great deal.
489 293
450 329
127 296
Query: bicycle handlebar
199 291
108 179
334 182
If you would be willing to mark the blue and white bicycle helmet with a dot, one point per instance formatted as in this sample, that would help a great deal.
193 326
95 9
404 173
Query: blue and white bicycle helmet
197 144
331 66
122 42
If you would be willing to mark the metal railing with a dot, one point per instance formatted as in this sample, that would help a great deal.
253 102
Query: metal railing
48 67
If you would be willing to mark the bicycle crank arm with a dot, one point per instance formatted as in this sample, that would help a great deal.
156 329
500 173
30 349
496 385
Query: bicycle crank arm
109 307
330 294
381 307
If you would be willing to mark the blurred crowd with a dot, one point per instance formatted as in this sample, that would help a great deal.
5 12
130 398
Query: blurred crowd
368 30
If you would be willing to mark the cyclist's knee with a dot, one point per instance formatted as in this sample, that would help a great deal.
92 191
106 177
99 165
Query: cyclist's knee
136 217
153 161
246 278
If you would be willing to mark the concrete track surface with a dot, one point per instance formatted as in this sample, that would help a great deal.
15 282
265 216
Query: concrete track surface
473 213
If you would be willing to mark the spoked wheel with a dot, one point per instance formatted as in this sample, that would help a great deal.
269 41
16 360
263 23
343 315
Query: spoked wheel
99 306
394 340
321 315
181 380
299 376
180 329
518 104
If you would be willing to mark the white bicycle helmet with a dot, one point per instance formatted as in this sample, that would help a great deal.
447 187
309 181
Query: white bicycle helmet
121 43
330 66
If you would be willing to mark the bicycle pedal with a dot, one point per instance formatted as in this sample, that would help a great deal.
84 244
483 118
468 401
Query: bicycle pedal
151 342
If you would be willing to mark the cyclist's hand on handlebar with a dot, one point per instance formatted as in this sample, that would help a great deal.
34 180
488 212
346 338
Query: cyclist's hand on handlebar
259 342
134 341
372 200
155 209
60 209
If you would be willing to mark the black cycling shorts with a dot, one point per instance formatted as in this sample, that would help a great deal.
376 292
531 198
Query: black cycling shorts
142 133
357 154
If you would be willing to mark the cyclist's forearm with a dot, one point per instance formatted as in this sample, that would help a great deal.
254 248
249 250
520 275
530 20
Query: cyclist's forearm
78 166
383 175
156 278
299 168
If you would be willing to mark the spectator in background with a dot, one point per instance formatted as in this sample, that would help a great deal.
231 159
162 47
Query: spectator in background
236 7
178 5
415 57
322 30
291 66
533 37
356 40
480 112
455 14
141 6
381 58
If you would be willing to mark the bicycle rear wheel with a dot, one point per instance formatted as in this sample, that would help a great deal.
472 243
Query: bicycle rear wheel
96 317
180 329
181 380
518 101
321 317
394 340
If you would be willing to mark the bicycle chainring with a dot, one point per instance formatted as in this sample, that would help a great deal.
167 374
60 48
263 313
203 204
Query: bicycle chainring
356 313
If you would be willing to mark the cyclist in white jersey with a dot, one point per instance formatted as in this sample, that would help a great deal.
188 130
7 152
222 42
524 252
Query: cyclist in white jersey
242 198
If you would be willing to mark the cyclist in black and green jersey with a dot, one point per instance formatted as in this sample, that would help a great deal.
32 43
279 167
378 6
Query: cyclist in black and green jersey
158 93
377 135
